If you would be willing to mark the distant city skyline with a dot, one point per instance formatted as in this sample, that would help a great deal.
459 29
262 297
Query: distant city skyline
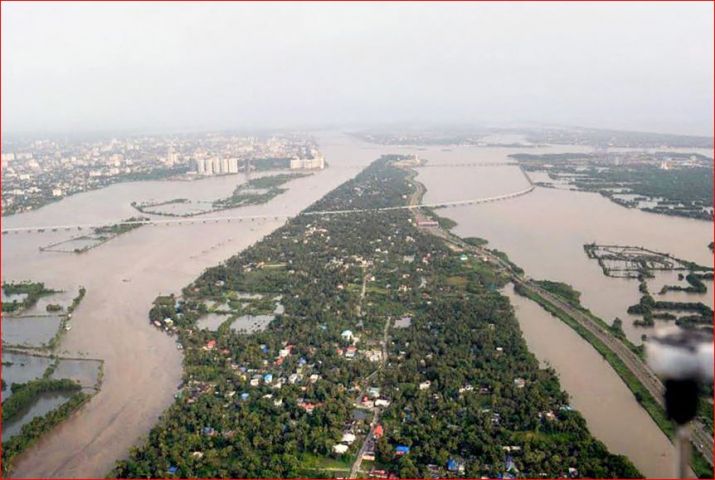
181 67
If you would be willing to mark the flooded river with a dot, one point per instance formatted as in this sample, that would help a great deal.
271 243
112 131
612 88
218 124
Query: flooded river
543 232
596 391
123 276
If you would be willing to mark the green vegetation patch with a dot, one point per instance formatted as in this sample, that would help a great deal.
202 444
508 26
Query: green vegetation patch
32 290
249 194
458 377
25 394
32 431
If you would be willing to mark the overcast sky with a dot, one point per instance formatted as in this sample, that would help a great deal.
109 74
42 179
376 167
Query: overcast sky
118 66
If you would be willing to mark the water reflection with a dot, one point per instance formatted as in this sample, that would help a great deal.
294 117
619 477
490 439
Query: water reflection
30 330
45 403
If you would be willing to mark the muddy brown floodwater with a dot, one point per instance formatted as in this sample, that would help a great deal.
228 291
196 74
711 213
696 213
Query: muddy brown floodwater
142 365
595 389
544 233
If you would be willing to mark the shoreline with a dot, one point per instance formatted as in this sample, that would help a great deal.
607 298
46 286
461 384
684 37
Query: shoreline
647 402
122 279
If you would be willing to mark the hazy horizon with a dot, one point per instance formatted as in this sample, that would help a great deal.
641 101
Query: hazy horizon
224 66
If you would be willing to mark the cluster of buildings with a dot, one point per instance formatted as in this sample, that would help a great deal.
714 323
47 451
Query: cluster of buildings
36 172
311 159
216 166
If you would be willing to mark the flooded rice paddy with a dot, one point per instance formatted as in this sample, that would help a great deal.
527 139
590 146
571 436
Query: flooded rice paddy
30 330
251 323
211 321
44 404
20 367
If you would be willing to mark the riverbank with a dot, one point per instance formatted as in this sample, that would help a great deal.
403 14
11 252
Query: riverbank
457 382
508 225
142 365
627 363
644 397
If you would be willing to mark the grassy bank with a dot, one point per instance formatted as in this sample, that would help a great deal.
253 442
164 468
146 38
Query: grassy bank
32 431
25 394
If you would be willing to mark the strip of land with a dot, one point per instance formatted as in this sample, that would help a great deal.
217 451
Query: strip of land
626 362
449 390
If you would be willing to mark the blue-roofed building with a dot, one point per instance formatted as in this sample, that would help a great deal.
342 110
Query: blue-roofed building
402 450
244 396
455 465
302 361
172 470
268 378
264 348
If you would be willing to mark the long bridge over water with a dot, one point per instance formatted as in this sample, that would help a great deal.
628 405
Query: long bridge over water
253 218
197 219
449 165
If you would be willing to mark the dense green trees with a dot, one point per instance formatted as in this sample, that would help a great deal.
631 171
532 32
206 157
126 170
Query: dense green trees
32 291
33 430
685 190
486 391
25 394
698 315
247 194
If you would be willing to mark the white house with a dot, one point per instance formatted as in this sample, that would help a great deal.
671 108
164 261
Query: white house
340 448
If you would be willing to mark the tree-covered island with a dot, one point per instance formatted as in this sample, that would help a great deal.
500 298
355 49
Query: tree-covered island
383 329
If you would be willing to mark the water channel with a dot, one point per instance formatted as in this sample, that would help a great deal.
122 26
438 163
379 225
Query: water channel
543 232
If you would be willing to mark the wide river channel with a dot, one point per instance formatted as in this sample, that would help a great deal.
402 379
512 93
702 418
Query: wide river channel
543 232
